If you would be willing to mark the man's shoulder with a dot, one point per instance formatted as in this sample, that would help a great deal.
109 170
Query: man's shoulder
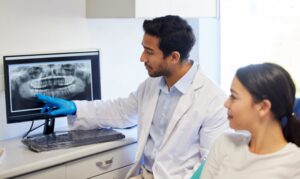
203 85
152 81
203 79
149 84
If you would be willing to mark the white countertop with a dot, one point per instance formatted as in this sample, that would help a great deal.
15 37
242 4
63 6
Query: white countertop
18 159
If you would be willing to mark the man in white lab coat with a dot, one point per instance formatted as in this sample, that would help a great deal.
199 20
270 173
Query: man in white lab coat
179 112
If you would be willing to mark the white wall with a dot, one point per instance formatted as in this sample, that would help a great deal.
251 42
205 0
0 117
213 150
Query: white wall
209 47
188 8
38 26
58 25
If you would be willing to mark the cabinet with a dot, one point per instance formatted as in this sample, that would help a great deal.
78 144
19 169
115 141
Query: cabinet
102 163
105 160
110 8
110 164
116 174
153 8
50 173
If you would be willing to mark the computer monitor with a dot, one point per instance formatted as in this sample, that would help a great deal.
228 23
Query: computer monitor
67 75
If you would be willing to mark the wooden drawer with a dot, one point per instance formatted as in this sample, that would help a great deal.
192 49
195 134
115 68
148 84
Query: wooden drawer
101 163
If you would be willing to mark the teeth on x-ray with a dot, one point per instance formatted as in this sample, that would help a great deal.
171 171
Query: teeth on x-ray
52 82
58 80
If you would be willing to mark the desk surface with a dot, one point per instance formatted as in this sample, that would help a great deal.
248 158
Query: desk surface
18 159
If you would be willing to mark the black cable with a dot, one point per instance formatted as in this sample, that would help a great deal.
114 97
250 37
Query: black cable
32 129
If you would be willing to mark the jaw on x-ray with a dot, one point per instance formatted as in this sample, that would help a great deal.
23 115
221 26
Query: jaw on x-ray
64 80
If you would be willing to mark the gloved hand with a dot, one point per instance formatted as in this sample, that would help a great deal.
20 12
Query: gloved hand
57 106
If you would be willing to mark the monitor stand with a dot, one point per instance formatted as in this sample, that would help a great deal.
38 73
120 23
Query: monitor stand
49 126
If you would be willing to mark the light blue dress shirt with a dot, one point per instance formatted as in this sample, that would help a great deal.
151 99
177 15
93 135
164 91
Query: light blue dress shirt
166 104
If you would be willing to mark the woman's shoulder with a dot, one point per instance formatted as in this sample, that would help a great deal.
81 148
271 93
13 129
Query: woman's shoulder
292 149
289 156
235 138
230 143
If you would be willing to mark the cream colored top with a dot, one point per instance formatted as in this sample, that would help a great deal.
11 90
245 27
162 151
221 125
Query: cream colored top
230 158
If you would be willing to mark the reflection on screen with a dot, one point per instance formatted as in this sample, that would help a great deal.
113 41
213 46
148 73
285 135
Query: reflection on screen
66 80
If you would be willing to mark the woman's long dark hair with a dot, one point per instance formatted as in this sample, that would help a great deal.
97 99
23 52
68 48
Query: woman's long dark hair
271 81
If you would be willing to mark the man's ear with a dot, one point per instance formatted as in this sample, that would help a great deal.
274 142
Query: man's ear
175 56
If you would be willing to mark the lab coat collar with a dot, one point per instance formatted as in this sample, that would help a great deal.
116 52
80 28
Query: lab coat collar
146 123
184 103
183 83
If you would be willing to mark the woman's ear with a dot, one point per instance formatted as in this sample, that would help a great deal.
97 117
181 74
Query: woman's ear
265 107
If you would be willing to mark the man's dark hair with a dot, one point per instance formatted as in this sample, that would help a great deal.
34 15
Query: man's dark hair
175 34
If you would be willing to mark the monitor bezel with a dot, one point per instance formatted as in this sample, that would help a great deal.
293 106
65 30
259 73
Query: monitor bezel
16 117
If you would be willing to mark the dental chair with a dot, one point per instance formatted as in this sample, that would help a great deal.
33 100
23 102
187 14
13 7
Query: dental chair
197 174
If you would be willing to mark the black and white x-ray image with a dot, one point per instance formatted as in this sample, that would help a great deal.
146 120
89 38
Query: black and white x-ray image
68 80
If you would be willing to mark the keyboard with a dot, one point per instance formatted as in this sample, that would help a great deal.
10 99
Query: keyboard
67 139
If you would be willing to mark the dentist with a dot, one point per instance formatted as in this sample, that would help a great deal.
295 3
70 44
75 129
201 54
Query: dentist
179 111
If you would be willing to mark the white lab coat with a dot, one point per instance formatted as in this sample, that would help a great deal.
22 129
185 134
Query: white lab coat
197 120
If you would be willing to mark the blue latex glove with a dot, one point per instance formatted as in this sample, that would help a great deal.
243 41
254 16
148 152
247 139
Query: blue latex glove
57 106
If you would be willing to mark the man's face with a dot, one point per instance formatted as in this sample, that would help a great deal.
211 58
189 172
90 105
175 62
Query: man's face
153 57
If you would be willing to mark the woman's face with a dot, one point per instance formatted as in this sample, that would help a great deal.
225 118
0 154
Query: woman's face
242 111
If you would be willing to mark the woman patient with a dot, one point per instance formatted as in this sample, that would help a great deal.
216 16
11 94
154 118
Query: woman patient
261 102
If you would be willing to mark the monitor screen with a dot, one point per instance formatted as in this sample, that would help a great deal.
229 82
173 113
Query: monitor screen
69 75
